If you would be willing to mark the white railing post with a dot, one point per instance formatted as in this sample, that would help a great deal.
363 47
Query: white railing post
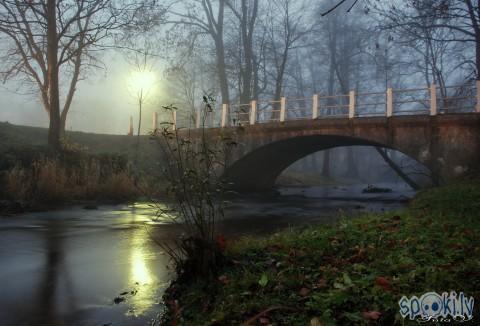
433 99
477 107
315 106
197 121
351 105
130 127
389 102
253 112
155 121
283 106
174 119
224 115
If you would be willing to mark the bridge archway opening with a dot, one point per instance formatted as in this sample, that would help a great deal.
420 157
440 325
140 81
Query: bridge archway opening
263 168
355 165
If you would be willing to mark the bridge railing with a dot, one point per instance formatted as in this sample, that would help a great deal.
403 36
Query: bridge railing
370 104
268 111
428 100
457 99
412 101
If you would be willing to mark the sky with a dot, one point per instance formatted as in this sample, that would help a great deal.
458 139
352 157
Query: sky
103 103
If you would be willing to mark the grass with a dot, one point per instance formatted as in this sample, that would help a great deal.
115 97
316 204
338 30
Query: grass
95 167
50 180
350 273
16 140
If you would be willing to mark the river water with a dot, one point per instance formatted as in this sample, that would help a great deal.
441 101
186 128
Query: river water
66 267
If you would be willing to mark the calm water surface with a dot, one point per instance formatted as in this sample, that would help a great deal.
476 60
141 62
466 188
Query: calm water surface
67 267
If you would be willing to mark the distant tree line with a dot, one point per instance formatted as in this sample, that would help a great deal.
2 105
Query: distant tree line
240 50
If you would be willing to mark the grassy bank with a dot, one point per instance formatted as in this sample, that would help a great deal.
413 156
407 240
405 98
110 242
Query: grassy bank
15 140
350 273
92 167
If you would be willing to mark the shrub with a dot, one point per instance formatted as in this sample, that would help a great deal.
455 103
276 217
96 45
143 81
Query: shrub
193 171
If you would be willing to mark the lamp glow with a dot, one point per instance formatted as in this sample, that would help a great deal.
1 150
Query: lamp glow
142 81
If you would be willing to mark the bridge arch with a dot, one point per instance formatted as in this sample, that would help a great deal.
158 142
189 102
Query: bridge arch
259 168
448 144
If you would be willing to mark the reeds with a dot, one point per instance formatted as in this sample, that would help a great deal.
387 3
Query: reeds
56 180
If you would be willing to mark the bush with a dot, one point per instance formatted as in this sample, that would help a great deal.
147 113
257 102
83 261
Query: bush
193 172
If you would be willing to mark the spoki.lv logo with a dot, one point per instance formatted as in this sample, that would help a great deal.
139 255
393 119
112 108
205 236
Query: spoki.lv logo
433 306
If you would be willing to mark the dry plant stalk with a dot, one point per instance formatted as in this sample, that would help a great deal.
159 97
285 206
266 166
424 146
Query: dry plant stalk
194 169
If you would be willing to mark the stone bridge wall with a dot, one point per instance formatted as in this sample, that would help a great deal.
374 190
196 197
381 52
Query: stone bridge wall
449 145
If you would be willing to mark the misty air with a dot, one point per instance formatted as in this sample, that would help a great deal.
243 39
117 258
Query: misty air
239 162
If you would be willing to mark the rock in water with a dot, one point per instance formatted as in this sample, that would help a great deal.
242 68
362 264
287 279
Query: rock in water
371 189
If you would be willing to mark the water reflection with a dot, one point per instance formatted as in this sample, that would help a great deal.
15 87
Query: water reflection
139 271
141 278
66 267
56 282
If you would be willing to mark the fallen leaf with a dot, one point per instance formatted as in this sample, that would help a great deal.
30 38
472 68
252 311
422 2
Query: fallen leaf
263 280
373 315
224 279
322 283
383 282
304 292
221 242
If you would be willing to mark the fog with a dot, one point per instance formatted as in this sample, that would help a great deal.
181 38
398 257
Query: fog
102 103
264 51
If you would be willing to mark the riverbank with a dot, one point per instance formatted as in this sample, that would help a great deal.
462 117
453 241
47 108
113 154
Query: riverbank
350 273
93 169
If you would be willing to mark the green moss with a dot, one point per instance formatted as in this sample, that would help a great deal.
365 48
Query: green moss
334 273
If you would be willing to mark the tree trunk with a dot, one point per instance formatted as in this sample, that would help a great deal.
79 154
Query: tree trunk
477 55
247 25
140 102
220 51
326 163
397 169
279 77
476 28
222 74
63 123
352 171
53 84
71 93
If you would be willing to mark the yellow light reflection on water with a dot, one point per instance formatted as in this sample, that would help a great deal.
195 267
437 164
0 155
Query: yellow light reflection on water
141 276
140 271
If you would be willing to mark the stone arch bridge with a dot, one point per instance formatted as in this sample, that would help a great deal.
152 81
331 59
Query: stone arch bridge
447 144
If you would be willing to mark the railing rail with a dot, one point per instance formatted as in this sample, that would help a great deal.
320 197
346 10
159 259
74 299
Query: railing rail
431 100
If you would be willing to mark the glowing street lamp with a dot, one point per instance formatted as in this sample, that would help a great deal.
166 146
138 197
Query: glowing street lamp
141 84
142 81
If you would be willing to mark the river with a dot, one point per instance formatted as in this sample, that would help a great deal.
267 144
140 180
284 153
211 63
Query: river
66 267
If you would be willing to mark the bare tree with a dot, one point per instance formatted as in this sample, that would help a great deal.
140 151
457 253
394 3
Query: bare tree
438 22
285 29
142 82
49 43
428 53
246 13
207 18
